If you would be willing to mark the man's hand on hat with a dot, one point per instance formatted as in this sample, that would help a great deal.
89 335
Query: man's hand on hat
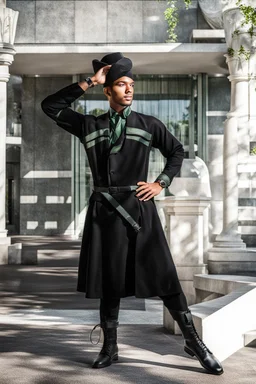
100 76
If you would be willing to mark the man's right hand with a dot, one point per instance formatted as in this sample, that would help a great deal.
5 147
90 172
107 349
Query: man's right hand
100 76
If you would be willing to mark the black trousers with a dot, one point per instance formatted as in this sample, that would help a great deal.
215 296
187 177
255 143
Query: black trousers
109 307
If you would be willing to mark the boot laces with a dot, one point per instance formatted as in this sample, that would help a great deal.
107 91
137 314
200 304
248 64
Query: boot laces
107 348
199 340
99 337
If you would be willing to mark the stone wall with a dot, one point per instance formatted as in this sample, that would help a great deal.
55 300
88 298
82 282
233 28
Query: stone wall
45 169
96 21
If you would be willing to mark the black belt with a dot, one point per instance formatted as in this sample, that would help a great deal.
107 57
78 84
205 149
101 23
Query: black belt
106 192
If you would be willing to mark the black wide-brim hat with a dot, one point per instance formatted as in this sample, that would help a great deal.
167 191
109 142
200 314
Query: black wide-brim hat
120 66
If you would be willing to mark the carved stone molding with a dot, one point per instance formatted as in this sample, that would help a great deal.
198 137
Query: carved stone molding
231 4
8 24
233 19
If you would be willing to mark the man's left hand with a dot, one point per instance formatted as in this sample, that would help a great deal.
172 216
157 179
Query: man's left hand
146 191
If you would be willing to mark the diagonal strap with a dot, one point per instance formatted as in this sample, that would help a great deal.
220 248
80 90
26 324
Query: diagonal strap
122 211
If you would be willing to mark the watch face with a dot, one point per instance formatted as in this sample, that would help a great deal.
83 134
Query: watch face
162 183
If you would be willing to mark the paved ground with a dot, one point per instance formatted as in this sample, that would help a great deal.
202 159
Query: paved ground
45 326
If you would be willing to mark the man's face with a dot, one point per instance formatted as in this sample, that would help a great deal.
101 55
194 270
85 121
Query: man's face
121 91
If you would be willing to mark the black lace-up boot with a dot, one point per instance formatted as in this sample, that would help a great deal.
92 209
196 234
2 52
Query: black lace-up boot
109 351
194 346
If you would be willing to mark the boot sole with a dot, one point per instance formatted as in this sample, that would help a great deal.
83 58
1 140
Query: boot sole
113 360
191 353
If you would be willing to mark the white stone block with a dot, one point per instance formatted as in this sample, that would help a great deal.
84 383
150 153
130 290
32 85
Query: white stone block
50 225
3 254
28 199
223 322
32 224
55 199
4 244
15 253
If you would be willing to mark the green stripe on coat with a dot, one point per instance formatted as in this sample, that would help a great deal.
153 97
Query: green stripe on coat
95 134
96 141
138 132
137 138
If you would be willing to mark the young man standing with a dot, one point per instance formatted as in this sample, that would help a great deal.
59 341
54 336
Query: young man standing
124 251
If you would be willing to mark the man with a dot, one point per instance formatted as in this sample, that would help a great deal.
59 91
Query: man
124 251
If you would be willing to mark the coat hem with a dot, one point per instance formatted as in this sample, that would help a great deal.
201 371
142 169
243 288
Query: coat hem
137 296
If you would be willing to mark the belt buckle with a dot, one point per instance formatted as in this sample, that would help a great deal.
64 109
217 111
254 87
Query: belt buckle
111 189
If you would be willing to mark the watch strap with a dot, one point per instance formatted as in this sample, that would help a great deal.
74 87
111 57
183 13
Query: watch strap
161 183
164 179
89 82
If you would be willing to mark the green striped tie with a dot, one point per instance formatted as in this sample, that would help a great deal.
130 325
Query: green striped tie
117 123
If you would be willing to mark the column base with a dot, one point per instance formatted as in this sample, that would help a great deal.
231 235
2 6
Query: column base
229 241
230 261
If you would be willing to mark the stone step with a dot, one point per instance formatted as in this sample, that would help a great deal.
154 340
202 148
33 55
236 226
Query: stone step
232 261
60 257
247 202
246 213
248 167
250 338
223 322
249 238
221 284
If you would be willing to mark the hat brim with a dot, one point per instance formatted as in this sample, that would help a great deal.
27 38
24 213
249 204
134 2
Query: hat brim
123 65
97 65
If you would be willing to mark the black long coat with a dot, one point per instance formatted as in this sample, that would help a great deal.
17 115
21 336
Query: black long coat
115 259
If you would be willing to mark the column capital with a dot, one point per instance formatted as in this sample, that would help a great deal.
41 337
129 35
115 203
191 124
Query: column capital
241 69
8 22
8 18
184 205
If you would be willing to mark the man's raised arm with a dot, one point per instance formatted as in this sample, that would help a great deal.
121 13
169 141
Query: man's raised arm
58 105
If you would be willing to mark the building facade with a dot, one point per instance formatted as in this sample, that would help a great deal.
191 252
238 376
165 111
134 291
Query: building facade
184 84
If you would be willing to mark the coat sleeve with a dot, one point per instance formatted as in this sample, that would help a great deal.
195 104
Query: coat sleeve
170 148
57 107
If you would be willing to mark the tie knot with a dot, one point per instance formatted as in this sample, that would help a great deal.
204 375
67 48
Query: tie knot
125 112
116 116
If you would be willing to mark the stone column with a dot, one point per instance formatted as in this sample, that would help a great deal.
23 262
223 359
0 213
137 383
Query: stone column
229 254
8 19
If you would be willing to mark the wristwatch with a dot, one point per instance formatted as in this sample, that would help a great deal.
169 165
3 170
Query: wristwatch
89 82
162 183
